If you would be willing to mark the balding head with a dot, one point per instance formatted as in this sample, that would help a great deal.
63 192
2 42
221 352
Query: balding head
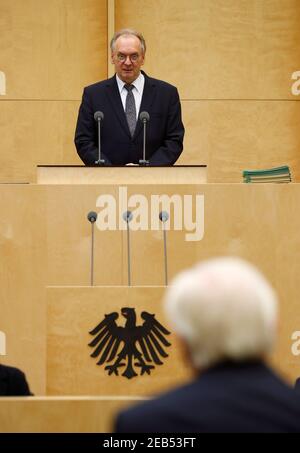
128 32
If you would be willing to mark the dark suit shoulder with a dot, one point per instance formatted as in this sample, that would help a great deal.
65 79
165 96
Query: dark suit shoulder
149 80
226 398
160 83
157 411
13 381
99 85
7 371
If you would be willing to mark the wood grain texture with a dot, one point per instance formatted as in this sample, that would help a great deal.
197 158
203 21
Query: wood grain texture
122 175
233 49
45 240
50 50
60 414
231 136
73 313
22 281
69 238
259 223
33 133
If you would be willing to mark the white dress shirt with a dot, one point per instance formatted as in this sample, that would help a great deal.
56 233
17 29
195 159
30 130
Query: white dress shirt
137 91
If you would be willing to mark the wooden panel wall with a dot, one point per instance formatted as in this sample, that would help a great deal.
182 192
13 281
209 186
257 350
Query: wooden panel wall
22 281
49 51
232 61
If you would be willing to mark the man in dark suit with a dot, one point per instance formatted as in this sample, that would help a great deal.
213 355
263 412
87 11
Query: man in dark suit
121 99
225 312
13 382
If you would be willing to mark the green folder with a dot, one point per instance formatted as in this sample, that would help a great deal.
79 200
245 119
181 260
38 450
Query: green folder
283 170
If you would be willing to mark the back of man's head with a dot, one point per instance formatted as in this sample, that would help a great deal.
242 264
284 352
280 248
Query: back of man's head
224 309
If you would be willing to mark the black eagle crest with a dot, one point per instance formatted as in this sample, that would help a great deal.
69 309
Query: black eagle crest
131 345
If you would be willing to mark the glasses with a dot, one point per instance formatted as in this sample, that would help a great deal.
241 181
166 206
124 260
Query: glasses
133 58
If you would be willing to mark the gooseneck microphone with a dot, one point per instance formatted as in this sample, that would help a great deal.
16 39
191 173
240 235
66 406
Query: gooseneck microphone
145 118
99 116
163 217
92 217
127 217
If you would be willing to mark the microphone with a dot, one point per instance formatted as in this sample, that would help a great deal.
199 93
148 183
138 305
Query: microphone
99 116
92 217
163 217
127 217
144 117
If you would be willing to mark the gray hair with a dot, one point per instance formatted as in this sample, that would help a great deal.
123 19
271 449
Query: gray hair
128 32
223 308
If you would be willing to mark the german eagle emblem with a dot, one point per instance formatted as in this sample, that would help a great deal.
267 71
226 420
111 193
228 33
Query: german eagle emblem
133 347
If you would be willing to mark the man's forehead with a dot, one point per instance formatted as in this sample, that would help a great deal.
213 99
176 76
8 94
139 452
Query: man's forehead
128 41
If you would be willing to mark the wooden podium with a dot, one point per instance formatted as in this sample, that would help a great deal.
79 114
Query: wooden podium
80 174
55 248
61 414
72 315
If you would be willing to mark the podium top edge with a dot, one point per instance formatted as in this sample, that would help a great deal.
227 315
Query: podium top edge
117 166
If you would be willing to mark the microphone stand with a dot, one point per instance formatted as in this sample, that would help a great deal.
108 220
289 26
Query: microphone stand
164 216
127 216
166 258
92 256
143 161
92 217
99 161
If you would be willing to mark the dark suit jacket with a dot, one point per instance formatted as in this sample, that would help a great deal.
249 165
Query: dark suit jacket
13 382
246 397
165 130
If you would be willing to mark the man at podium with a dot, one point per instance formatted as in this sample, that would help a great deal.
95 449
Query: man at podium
137 118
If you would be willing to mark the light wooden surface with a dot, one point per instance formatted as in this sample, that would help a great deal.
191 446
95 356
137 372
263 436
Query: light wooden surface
233 49
232 136
73 312
259 223
22 281
35 132
50 50
110 32
45 239
69 237
122 175
232 62
61 414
